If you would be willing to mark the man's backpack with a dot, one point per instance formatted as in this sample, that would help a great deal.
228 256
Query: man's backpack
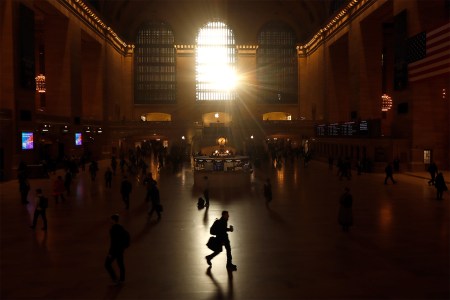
126 239
214 230
201 203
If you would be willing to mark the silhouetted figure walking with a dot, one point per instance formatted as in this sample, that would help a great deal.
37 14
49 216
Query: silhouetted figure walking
389 174
24 188
345 216
220 230
440 185
119 241
114 164
125 190
433 170
268 190
153 194
40 209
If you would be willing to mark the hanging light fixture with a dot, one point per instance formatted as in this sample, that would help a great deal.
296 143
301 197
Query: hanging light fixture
40 83
386 102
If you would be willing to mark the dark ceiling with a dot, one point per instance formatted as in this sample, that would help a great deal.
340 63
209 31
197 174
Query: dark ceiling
245 17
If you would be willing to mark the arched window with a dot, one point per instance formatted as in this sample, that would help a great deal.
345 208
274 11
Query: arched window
276 60
154 65
215 63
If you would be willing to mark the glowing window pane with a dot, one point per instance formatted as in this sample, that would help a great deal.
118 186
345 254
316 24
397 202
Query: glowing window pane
215 63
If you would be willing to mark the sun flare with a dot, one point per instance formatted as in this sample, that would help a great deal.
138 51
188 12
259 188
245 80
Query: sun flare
215 63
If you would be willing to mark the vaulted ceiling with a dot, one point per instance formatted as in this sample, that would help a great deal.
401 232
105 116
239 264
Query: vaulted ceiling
245 17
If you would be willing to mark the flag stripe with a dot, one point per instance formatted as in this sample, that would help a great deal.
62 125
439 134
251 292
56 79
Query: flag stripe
437 58
424 62
438 71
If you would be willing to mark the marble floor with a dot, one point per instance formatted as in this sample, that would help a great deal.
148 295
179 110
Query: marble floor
293 248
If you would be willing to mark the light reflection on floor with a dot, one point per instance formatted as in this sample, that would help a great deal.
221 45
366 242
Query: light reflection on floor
292 248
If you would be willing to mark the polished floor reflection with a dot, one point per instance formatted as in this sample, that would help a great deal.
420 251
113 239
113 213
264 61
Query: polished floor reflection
292 248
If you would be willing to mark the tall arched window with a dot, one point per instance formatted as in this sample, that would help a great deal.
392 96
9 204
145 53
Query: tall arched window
154 65
276 60
215 63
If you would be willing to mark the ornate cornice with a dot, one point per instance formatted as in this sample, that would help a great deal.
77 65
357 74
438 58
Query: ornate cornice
89 18
340 20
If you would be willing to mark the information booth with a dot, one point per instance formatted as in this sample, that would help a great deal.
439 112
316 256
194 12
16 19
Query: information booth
223 170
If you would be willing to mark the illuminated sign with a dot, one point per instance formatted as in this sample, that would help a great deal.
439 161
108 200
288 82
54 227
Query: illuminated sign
27 141
78 139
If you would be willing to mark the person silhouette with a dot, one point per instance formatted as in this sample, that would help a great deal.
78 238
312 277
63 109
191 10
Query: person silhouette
440 185
40 209
118 244
389 174
268 190
220 230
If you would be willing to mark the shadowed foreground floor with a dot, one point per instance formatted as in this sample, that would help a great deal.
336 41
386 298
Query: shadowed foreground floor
293 248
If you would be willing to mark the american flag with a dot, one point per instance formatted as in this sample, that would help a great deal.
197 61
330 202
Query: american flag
428 54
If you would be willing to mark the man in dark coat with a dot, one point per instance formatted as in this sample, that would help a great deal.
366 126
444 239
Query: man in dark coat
440 186
220 230
125 190
268 190
389 172
433 170
116 250
153 196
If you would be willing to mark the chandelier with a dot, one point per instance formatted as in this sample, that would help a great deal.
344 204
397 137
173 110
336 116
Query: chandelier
40 83
386 102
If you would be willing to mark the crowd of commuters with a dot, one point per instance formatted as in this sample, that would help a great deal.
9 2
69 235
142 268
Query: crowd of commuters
134 164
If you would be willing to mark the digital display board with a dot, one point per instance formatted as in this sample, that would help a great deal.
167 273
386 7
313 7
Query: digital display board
348 128
321 130
27 140
362 128
78 139
333 129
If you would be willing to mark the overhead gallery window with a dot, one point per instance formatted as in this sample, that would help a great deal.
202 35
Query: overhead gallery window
154 65
276 59
215 63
